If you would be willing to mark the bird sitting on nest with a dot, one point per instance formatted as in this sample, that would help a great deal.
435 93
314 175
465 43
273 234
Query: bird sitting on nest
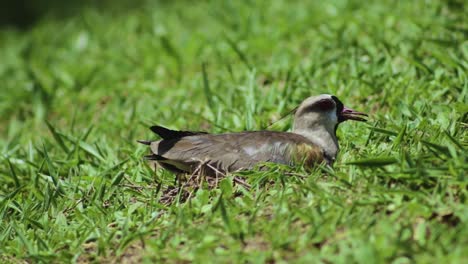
312 141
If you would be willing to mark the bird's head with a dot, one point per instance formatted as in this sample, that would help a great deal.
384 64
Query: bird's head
324 111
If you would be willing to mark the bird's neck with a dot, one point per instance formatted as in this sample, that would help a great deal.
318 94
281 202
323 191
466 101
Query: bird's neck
322 137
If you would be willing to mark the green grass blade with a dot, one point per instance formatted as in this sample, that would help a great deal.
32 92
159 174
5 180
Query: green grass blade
13 173
374 162
206 89
57 137
242 56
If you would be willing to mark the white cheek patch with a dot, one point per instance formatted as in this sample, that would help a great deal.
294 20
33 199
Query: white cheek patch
332 117
331 120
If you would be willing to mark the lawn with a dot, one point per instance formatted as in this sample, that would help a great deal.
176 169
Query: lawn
78 89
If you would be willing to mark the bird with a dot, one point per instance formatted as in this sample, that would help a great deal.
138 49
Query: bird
312 141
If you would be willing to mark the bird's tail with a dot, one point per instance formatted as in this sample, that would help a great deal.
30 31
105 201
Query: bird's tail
154 157
144 142
166 133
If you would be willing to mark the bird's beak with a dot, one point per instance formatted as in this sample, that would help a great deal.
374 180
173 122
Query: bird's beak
350 114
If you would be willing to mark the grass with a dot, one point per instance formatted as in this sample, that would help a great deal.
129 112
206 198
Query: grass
78 91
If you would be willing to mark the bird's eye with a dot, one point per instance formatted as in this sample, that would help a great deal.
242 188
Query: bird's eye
326 104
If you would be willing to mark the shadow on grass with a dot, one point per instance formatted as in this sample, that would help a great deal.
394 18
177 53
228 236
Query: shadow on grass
23 14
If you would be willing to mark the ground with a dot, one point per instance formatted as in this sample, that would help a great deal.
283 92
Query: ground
79 88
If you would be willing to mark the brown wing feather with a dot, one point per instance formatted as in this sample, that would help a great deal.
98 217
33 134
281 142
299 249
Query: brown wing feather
236 151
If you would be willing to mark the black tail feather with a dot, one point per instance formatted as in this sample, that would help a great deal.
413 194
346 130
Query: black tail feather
166 133
144 142
154 157
163 132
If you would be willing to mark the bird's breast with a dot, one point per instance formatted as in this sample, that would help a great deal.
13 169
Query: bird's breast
306 154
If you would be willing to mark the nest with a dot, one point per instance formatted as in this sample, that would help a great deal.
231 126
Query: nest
205 175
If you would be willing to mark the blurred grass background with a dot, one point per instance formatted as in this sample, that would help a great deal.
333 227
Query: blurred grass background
80 83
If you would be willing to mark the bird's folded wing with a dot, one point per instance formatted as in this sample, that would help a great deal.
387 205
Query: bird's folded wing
231 152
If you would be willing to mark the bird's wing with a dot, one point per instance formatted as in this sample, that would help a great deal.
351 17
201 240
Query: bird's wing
235 151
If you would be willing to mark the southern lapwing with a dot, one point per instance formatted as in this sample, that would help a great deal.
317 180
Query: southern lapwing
312 141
